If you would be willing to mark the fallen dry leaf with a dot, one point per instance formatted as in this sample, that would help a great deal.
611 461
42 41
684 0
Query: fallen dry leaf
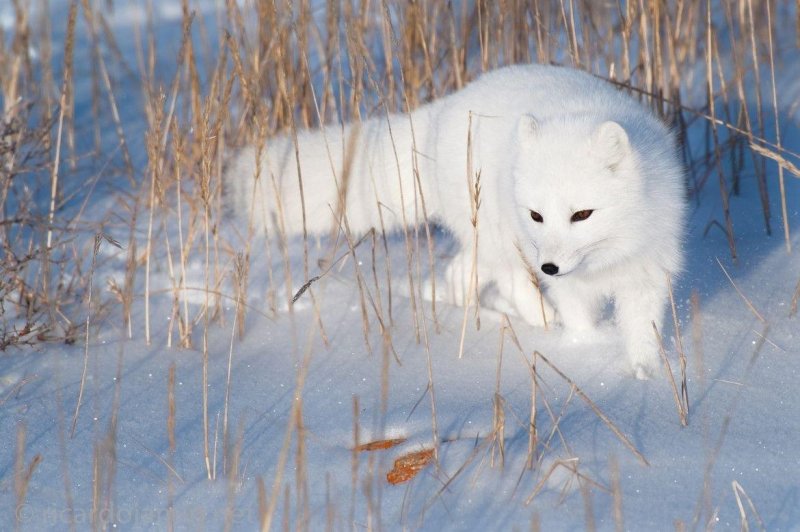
407 466
379 445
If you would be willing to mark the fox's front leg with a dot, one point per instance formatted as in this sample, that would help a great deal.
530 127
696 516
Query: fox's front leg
518 290
638 306
578 308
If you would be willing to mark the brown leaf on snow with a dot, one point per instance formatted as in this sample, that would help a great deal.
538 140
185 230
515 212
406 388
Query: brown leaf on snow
407 466
379 445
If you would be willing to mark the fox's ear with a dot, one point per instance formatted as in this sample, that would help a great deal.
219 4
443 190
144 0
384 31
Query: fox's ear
527 128
611 143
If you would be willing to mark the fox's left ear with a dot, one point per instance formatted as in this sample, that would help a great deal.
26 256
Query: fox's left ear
611 143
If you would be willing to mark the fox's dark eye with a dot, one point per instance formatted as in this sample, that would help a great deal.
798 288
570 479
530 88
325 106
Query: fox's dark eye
536 217
581 215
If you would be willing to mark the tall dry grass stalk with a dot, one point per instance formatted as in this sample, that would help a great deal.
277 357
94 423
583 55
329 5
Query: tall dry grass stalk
681 352
65 88
474 190
740 493
22 474
616 495
683 410
747 302
98 238
499 415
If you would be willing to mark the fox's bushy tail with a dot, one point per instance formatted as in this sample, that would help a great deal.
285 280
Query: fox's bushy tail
308 183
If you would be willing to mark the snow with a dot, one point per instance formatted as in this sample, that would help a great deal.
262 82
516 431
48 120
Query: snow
118 469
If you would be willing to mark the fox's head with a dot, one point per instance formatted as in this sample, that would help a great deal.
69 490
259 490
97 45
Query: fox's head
578 194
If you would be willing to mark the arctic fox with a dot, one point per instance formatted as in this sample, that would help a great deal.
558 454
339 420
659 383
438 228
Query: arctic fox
579 184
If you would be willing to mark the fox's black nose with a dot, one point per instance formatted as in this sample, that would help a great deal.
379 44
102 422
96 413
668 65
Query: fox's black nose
549 268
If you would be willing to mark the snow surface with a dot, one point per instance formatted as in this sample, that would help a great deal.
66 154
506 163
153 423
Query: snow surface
742 436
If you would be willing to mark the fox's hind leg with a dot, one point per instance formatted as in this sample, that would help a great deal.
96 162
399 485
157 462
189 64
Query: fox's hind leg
457 286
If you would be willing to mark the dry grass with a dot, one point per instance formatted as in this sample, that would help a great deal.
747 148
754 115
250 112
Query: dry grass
262 83
391 56
276 68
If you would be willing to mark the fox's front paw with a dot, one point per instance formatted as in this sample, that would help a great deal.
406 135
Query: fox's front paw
533 308
541 313
578 326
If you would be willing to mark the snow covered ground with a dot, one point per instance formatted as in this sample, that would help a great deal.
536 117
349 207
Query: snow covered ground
287 406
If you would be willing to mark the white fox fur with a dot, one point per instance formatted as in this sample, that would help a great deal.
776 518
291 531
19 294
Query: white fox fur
547 142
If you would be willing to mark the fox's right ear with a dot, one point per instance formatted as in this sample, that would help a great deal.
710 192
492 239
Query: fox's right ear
612 144
527 128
